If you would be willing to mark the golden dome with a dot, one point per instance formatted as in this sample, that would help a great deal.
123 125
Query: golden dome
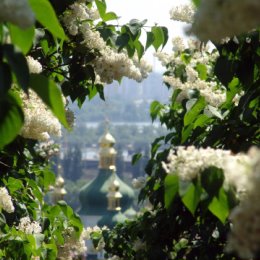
107 152
59 181
107 140
114 195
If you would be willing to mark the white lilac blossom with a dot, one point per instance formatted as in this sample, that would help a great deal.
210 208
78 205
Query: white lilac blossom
29 227
139 182
17 12
6 201
34 65
216 20
183 13
189 162
39 122
77 14
208 89
47 149
109 65
89 230
73 247
178 44
163 57
245 218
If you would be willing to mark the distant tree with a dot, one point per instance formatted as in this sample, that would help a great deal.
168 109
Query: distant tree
72 163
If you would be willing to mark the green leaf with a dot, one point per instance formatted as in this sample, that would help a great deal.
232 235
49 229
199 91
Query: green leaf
171 186
50 94
191 198
215 111
186 57
202 71
195 110
75 221
2 220
158 33
212 180
165 35
11 119
139 48
49 178
220 206
18 64
196 2
67 210
135 26
109 16
156 145
136 157
101 6
92 91
186 131
201 121
14 184
45 14
22 38
45 46
122 41
155 109
100 89
149 40
5 78
233 89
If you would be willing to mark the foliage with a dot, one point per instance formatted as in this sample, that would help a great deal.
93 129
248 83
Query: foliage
72 53
40 53
188 219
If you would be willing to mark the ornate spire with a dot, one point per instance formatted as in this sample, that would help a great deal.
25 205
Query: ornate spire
59 191
114 195
107 151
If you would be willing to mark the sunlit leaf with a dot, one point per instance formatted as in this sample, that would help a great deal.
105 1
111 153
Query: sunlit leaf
45 14
109 16
155 109
101 6
191 198
158 33
195 110
149 39
11 119
202 71
139 48
220 206
22 38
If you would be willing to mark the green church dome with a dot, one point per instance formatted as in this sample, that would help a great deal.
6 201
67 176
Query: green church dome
94 196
